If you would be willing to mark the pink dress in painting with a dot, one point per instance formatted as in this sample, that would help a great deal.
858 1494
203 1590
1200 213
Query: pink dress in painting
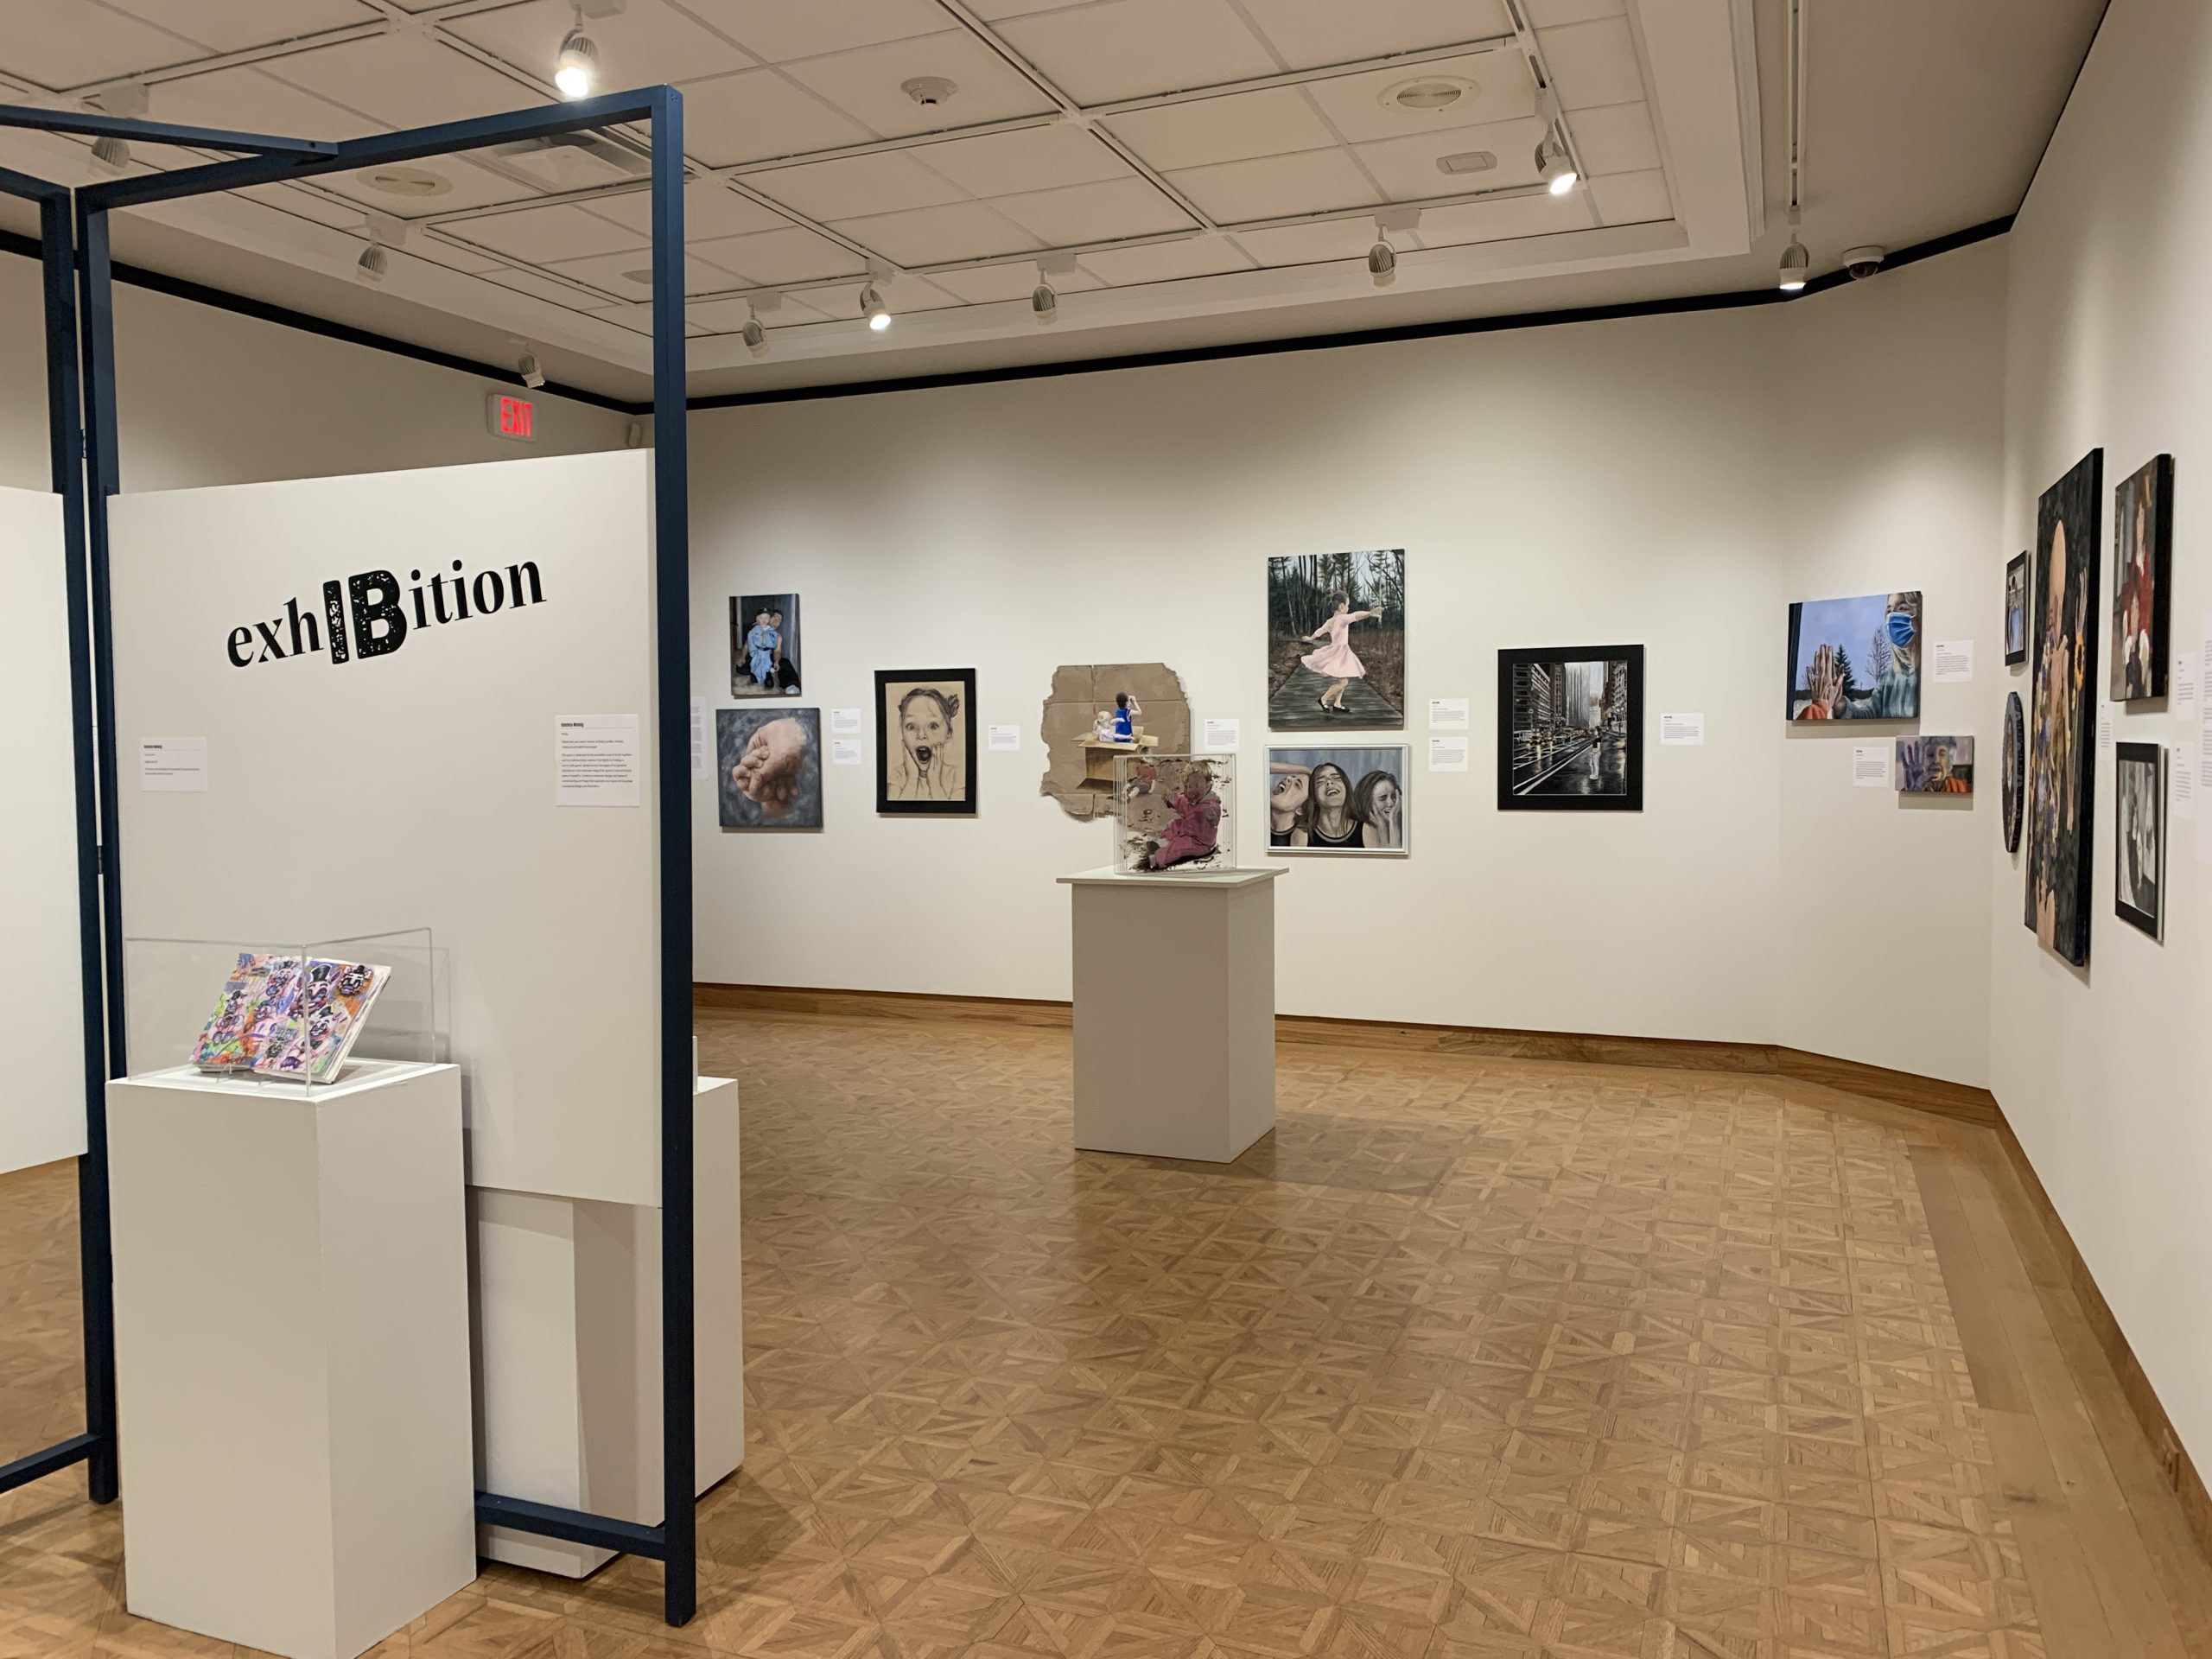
1194 832
1334 659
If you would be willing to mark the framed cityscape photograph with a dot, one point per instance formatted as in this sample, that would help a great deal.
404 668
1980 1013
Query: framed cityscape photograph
1570 729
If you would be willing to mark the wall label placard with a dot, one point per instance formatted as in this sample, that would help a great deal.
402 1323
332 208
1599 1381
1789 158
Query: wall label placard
1447 753
1953 662
846 722
177 766
370 614
1005 740
597 760
1448 714
845 752
1682 731
1869 765
1220 736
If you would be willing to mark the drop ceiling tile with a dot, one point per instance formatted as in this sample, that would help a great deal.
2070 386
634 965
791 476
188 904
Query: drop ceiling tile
1210 130
1501 221
993 11
1308 244
571 161
545 288
1500 89
538 235
777 258
305 204
865 83
1310 33
630 276
234 25
912 294
647 43
404 80
856 186
1556 14
758 115
254 101
994 284
1617 138
923 236
1035 158
1631 198
1129 48
1407 167
1593 63
777 31
728 317
1166 262
1094 213
467 186
1312 182
58 49
442 253
709 210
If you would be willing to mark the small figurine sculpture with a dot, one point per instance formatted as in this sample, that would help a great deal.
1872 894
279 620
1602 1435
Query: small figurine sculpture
1125 713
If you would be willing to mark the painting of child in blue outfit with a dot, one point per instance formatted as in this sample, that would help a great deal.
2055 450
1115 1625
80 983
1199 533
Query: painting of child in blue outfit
764 646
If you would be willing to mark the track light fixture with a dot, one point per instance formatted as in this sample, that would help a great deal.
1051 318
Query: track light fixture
110 157
1382 257
576 70
1044 299
872 307
755 332
372 265
1553 166
532 373
1796 262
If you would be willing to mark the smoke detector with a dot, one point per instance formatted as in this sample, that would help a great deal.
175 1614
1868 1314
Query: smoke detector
928 91
1427 95
413 182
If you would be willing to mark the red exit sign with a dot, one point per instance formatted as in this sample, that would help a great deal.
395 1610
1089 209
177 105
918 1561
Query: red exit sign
511 417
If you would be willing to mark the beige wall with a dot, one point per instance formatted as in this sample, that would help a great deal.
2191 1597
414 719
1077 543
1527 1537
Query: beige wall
1672 480
2110 345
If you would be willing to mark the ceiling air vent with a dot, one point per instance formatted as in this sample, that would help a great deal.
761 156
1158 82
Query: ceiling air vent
1466 161
1427 94
413 182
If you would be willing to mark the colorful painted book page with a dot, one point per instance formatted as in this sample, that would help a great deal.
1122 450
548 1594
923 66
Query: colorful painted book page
332 1005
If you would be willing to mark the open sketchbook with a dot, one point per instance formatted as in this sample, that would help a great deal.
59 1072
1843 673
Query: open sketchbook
289 1016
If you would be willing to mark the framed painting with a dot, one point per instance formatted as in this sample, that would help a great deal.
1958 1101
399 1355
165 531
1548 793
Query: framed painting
1935 766
2062 716
2142 597
924 740
763 658
768 768
1570 729
1337 641
1855 658
2139 870
1339 798
2015 768
2015 611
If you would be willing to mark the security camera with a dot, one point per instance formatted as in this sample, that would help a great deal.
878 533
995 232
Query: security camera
1863 263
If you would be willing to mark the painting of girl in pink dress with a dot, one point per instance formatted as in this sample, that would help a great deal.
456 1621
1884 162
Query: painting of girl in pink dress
1337 641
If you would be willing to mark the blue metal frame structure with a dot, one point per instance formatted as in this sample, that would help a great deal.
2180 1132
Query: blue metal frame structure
263 160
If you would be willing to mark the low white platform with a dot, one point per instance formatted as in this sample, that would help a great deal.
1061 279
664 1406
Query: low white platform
1174 1012
291 1303
568 1341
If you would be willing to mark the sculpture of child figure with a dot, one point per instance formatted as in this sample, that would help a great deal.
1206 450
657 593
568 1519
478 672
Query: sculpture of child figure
1124 717
1195 830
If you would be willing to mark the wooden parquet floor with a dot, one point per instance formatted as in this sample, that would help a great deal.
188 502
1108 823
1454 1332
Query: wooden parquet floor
1470 1357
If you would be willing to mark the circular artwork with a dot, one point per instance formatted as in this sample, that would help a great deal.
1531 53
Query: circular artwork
2015 768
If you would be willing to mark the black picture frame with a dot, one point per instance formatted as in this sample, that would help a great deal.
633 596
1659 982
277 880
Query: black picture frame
2139 668
894 800
2129 762
2019 583
2064 630
1518 790
2016 769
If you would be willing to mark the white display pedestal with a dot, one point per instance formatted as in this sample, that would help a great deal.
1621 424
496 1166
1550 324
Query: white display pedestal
1174 1012
291 1310
568 1343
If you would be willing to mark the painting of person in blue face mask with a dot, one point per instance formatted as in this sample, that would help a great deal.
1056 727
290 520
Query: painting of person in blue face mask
1855 658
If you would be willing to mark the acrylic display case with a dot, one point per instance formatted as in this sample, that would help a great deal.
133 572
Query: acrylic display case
289 1016
1174 814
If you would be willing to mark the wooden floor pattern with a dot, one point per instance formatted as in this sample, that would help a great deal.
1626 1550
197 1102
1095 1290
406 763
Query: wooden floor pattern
1470 1357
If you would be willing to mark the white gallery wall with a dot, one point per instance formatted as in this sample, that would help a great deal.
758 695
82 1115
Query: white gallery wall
2110 344
1674 481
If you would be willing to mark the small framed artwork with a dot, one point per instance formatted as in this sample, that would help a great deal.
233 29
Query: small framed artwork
2142 600
924 740
1570 729
1935 766
2016 769
1338 797
2015 611
2140 780
769 762
764 646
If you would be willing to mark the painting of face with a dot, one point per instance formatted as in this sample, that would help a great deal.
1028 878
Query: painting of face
1337 641
1855 658
2016 610
2139 776
1570 729
1337 799
925 741
2142 600
764 646
1935 766
769 768
2062 717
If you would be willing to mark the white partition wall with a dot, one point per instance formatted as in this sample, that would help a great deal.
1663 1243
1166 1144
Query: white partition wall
381 754
42 1107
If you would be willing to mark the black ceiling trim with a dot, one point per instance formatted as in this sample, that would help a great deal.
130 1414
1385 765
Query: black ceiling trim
180 288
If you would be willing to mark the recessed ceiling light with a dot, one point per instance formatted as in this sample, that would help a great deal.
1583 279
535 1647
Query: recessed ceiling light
1427 95
1467 161
413 182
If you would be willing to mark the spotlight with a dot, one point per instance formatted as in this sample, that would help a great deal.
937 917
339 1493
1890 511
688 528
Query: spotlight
1797 267
754 334
372 265
527 366
1044 303
1382 263
575 71
111 157
1552 166
872 307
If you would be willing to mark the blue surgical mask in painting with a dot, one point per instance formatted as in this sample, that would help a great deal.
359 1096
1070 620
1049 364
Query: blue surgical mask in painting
1901 629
